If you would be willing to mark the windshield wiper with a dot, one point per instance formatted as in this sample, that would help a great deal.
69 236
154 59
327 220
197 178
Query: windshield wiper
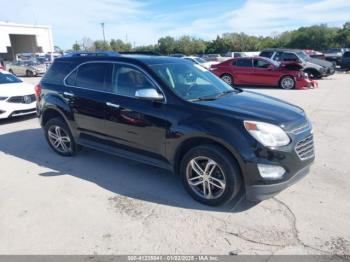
210 98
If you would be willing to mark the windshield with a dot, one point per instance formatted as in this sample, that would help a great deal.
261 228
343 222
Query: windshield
334 50
303 56
8 79
192 81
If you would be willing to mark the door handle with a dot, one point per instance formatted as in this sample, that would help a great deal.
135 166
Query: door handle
68 94
112 105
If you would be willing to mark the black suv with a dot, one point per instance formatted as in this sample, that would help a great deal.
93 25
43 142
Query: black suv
175 114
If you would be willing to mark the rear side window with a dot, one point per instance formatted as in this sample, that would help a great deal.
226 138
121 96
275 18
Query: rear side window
244 63
57 72
347 54
267 54
96 76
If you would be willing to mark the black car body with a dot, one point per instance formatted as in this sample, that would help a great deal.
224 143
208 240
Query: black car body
315 68
345 61
168 131
334 55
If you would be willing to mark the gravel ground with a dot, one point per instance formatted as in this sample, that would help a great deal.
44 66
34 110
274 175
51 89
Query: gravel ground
100 204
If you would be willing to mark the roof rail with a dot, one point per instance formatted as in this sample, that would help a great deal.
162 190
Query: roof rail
90 53
140 53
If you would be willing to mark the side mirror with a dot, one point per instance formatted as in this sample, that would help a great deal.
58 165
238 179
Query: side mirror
149 94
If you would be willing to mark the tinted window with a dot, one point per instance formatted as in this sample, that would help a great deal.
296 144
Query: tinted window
278 56
244 63
127 80
72 78
266 54
94 76
290 57
261 63
57 72
347 54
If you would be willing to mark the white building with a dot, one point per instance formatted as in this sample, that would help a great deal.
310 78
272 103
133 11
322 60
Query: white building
19 38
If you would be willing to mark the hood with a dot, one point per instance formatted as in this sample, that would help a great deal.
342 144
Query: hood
321 62
16 89
253 106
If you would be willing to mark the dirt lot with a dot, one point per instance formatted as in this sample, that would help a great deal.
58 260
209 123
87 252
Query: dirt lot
100 204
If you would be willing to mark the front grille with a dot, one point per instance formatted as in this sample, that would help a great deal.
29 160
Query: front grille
305 148
22 99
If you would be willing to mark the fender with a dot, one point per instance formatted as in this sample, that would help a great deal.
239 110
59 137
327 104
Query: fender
57 103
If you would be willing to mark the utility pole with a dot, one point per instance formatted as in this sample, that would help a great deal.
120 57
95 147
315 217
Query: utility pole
103 32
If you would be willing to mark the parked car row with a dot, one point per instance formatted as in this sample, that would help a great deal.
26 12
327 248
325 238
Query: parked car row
28 68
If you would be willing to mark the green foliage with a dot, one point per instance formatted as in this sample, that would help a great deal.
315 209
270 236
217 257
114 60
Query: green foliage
318 37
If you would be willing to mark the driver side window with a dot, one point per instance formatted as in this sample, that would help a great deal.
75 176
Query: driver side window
127 80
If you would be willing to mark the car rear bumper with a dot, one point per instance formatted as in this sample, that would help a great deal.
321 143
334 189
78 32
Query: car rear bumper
262 192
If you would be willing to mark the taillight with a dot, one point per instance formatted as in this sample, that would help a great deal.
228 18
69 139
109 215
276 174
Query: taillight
37 90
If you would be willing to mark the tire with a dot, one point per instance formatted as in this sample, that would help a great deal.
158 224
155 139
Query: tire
287 82
228 79
29 73
222 167
51 133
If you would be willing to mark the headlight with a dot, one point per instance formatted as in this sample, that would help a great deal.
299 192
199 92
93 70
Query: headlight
267 134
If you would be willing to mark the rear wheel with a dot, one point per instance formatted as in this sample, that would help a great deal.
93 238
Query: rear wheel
210 175
287 82
228 79
59 137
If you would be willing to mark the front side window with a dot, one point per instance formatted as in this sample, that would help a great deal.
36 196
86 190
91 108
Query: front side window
244 63
94 76
290 57
261 63
266 54
127 80
191 81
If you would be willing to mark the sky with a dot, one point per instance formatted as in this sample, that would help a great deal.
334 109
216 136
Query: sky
143 22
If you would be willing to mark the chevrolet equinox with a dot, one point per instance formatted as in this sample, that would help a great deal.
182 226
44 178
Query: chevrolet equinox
175 114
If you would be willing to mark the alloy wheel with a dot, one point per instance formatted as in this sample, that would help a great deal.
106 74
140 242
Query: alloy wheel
59 139
227 79
287 83
205 177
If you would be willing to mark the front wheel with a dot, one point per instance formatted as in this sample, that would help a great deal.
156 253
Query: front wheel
287 82
59 137
210 175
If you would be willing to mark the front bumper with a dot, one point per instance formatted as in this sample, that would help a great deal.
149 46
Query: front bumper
295 158
262 192
304 83
16 109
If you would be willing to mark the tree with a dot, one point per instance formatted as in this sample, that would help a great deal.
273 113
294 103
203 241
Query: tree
119 46
166 45
102 45
76 47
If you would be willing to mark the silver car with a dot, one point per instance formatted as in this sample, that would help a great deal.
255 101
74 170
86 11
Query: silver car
27 68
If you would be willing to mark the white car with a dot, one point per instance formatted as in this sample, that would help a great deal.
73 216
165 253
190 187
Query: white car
200 61
16 98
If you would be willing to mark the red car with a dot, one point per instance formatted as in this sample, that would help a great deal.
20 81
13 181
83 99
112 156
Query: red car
260 71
